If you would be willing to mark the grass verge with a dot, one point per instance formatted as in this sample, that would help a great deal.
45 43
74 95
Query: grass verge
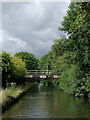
12 94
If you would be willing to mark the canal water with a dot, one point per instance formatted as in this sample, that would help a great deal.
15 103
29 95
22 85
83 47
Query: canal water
47 102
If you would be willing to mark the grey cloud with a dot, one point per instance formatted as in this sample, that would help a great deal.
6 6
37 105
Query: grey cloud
31 27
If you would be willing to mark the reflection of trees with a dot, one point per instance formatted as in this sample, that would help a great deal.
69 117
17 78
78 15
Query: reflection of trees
61 105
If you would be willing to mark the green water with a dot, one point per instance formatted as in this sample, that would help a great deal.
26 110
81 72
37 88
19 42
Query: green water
47 102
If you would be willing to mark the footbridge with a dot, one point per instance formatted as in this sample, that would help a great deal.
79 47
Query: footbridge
41 74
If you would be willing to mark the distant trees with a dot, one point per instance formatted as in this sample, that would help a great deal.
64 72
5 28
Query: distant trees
31 63
45 62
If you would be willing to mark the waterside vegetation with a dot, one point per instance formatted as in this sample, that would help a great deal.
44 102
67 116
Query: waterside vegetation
69 56
12 94
14 84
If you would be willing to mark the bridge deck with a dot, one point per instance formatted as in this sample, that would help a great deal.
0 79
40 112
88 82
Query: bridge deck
40 74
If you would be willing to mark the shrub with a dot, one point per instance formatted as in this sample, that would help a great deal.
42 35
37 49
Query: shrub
70 79
84 87
18 70
13 69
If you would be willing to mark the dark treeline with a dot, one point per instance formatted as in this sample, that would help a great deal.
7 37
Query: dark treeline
70 56
14 68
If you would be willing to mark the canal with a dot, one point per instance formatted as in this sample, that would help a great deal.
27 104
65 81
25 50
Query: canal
47 102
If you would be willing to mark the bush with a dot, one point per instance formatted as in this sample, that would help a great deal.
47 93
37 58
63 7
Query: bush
84 87
70 79
18 70
13 69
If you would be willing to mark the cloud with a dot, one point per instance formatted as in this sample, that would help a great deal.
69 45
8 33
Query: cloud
31 26
12 43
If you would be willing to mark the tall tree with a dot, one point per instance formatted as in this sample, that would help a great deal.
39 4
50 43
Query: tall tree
76 24
58 48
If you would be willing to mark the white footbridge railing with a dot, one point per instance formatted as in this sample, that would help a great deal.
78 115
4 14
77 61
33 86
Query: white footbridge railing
40 74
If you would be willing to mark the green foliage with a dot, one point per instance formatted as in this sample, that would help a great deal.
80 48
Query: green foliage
0 63
13 69
76 24
5 61
84 87
5 68
70 57
58 48
29 59
45 62
55 82
62 62
70 79
13 92
18 70
0 70
74 66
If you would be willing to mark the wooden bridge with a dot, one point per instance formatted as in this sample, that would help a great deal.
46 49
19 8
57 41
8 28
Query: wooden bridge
40 74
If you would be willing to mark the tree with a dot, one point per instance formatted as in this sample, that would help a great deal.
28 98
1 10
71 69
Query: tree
13 69
46 62
76 24
58 48
29 59
37 64
63 62
6 58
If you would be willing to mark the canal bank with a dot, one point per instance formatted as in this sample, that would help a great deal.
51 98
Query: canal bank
14 94
47 102
67 88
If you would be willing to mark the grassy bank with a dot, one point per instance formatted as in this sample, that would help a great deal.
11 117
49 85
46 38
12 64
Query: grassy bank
12 94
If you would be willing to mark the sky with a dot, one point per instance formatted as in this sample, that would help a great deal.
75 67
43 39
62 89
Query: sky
31 26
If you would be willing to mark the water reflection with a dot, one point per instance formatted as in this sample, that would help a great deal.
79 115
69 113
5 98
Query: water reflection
39 85
46 102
